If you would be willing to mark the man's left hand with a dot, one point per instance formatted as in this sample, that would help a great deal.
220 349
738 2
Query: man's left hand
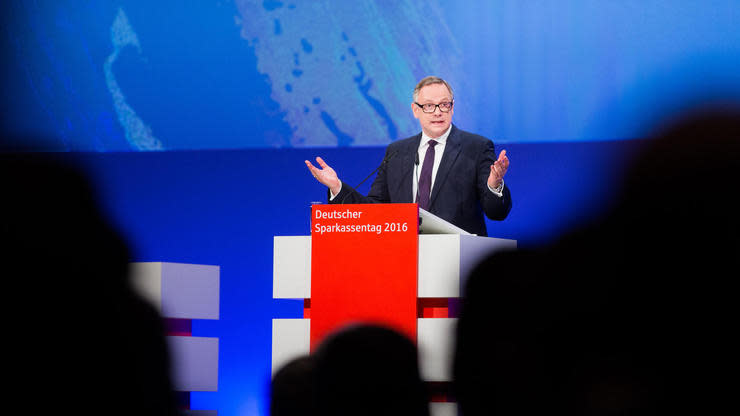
498 170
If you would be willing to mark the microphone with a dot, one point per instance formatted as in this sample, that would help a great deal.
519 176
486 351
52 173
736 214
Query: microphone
416 174
385 160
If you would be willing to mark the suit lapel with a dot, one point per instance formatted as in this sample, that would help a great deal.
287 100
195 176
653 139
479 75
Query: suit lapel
452 150
405 186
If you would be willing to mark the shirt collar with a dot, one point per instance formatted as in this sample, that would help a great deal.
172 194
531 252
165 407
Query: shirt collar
441 139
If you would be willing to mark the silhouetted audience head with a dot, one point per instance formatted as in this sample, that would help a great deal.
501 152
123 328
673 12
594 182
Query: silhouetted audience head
630 315
83 340
369 370
293 386
683 186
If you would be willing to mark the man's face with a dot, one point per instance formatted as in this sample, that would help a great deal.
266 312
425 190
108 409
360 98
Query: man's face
436 123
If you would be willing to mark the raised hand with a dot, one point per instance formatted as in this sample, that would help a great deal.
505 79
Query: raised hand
498 170
325 175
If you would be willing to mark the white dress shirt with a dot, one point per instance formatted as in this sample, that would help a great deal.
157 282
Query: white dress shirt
439 150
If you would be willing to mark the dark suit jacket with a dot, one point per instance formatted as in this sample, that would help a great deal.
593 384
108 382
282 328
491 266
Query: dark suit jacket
460 194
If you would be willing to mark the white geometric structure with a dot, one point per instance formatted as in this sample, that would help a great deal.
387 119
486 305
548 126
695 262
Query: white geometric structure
184 291
444 262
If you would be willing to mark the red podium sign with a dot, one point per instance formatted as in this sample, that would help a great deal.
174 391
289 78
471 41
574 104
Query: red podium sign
364 260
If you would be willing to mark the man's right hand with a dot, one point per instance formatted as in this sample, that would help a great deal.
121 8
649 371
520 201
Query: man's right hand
325 175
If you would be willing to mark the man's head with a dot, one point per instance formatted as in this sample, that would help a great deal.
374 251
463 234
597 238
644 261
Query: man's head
436 95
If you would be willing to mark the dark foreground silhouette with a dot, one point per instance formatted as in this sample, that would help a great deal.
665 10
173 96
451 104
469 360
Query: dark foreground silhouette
359 370
631 315
80 340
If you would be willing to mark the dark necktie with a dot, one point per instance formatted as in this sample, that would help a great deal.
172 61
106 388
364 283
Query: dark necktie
425 180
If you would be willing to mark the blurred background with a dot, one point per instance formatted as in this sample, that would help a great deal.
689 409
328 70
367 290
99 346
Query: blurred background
193 119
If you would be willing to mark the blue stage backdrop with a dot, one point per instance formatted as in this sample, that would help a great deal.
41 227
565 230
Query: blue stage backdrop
140 75
194 118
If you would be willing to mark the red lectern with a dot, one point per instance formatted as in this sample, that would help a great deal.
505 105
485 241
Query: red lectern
364 263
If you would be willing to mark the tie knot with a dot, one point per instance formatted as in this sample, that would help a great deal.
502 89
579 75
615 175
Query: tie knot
432 143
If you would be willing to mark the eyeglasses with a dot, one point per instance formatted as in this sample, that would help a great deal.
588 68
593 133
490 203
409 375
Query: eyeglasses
430 108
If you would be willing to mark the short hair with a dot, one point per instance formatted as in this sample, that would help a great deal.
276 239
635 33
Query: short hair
429 81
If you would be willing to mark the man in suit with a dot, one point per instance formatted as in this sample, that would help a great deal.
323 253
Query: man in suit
451 173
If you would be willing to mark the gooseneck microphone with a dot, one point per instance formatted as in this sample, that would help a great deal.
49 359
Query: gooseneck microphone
416 175
382 164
